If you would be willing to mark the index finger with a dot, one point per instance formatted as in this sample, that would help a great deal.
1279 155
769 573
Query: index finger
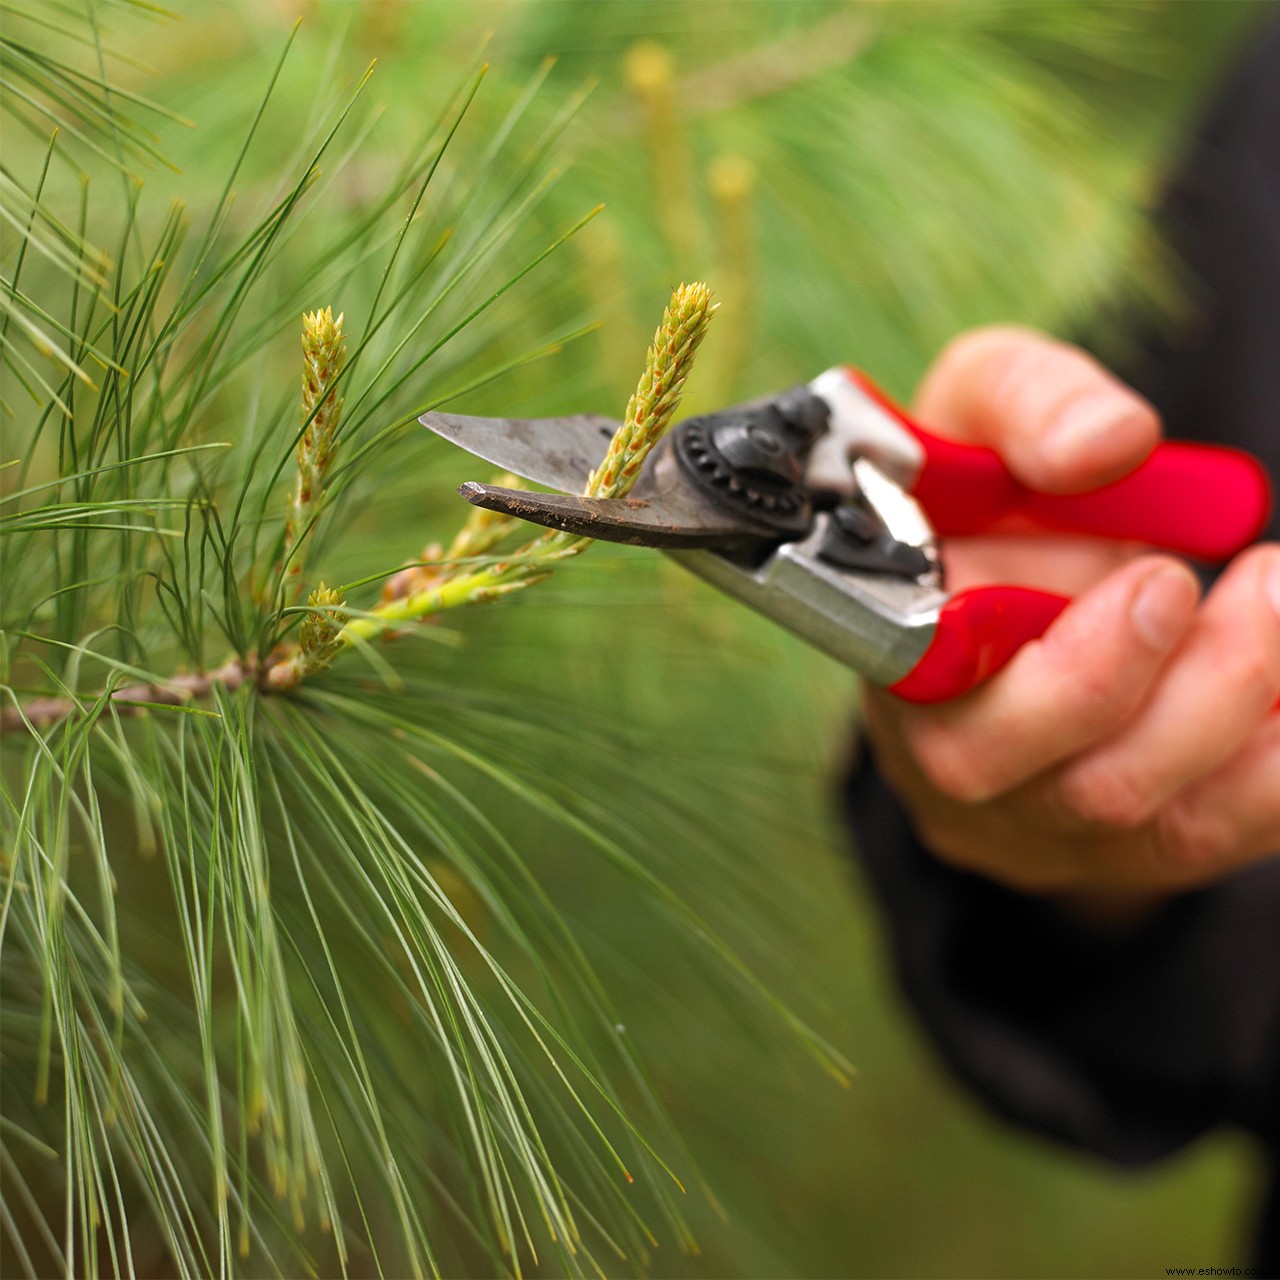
1062 422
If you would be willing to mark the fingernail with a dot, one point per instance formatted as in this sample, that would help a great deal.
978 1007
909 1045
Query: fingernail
1162 606
1272 586
1083 423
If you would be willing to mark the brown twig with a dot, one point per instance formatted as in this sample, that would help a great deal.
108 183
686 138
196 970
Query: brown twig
132 700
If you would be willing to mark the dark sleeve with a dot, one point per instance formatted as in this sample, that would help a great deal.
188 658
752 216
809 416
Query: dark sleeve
1125 1043
1218 377
1128 1044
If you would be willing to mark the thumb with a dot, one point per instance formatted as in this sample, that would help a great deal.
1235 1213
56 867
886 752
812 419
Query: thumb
1060 421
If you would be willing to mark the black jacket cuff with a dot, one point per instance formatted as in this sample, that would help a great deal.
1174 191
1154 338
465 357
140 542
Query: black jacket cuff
1124 1043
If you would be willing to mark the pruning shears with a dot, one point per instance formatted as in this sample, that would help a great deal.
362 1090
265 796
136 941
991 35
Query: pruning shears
821 507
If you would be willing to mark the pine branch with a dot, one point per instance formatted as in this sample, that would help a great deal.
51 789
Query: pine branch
129 700
325 630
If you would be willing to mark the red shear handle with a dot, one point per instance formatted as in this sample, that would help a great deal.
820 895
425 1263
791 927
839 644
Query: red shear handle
978 631
1199 500
1204 501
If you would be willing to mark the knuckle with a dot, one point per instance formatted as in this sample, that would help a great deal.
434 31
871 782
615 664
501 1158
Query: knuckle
1190 839
1028 369
1254 559
1103 800
1247 572
970 367
1251 672
974 345
952 766
1095 699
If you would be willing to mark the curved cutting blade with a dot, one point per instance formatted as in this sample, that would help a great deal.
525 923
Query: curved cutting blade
676 517
557 452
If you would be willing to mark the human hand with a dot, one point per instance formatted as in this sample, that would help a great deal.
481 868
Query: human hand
1135 749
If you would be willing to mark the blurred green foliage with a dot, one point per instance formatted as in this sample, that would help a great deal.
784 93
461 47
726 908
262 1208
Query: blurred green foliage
857 182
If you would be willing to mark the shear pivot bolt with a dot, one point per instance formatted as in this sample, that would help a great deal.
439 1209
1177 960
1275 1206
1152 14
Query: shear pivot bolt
855 524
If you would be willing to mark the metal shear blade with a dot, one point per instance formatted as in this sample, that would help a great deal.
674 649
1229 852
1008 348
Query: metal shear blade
663 510
557 452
